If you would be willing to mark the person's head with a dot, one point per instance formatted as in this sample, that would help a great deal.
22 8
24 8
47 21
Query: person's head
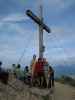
39 59
26 68
50 68
18 66
34 56
44 60
13 65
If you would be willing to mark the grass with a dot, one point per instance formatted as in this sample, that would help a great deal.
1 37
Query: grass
66 80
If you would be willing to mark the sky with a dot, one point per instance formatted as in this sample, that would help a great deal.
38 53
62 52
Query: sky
18 33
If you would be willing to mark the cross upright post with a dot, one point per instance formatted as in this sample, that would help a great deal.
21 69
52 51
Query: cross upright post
41 33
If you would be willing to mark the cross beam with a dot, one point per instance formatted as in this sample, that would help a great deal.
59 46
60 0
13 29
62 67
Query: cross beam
38 20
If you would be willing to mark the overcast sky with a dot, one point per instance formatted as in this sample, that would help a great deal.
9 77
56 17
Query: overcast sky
19 33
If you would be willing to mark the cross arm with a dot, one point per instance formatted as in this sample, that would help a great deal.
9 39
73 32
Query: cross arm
37 20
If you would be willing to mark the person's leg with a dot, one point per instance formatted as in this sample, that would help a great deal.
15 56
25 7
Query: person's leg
49 82
53 80
39 79
33 80
44 81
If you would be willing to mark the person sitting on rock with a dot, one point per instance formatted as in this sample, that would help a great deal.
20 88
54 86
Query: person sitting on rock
19 73
4 75
27 76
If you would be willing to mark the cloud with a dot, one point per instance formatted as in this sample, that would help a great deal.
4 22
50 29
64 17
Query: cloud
60 37
59 12
61 4
14 38
60 44
13 18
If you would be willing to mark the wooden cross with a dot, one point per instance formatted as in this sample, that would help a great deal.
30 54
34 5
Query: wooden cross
42 26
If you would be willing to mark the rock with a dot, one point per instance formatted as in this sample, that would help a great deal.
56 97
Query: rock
17 90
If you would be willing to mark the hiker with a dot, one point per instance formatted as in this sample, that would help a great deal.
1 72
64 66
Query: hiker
26 70
27 76
50 77
13 69
46 66
4 75
19 73
39 72
0 65
32 67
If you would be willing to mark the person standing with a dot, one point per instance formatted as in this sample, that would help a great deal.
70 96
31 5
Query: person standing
39 72
46 66
50 77
32 65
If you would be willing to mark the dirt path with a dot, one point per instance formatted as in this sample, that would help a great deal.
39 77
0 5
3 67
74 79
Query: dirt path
63 92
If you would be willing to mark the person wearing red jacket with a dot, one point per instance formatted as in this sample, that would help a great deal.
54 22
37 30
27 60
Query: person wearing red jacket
39 68
39 72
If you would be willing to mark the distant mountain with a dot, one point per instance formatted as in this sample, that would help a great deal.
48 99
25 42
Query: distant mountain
68 70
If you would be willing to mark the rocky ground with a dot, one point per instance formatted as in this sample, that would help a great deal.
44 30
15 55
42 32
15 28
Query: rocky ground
16 90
